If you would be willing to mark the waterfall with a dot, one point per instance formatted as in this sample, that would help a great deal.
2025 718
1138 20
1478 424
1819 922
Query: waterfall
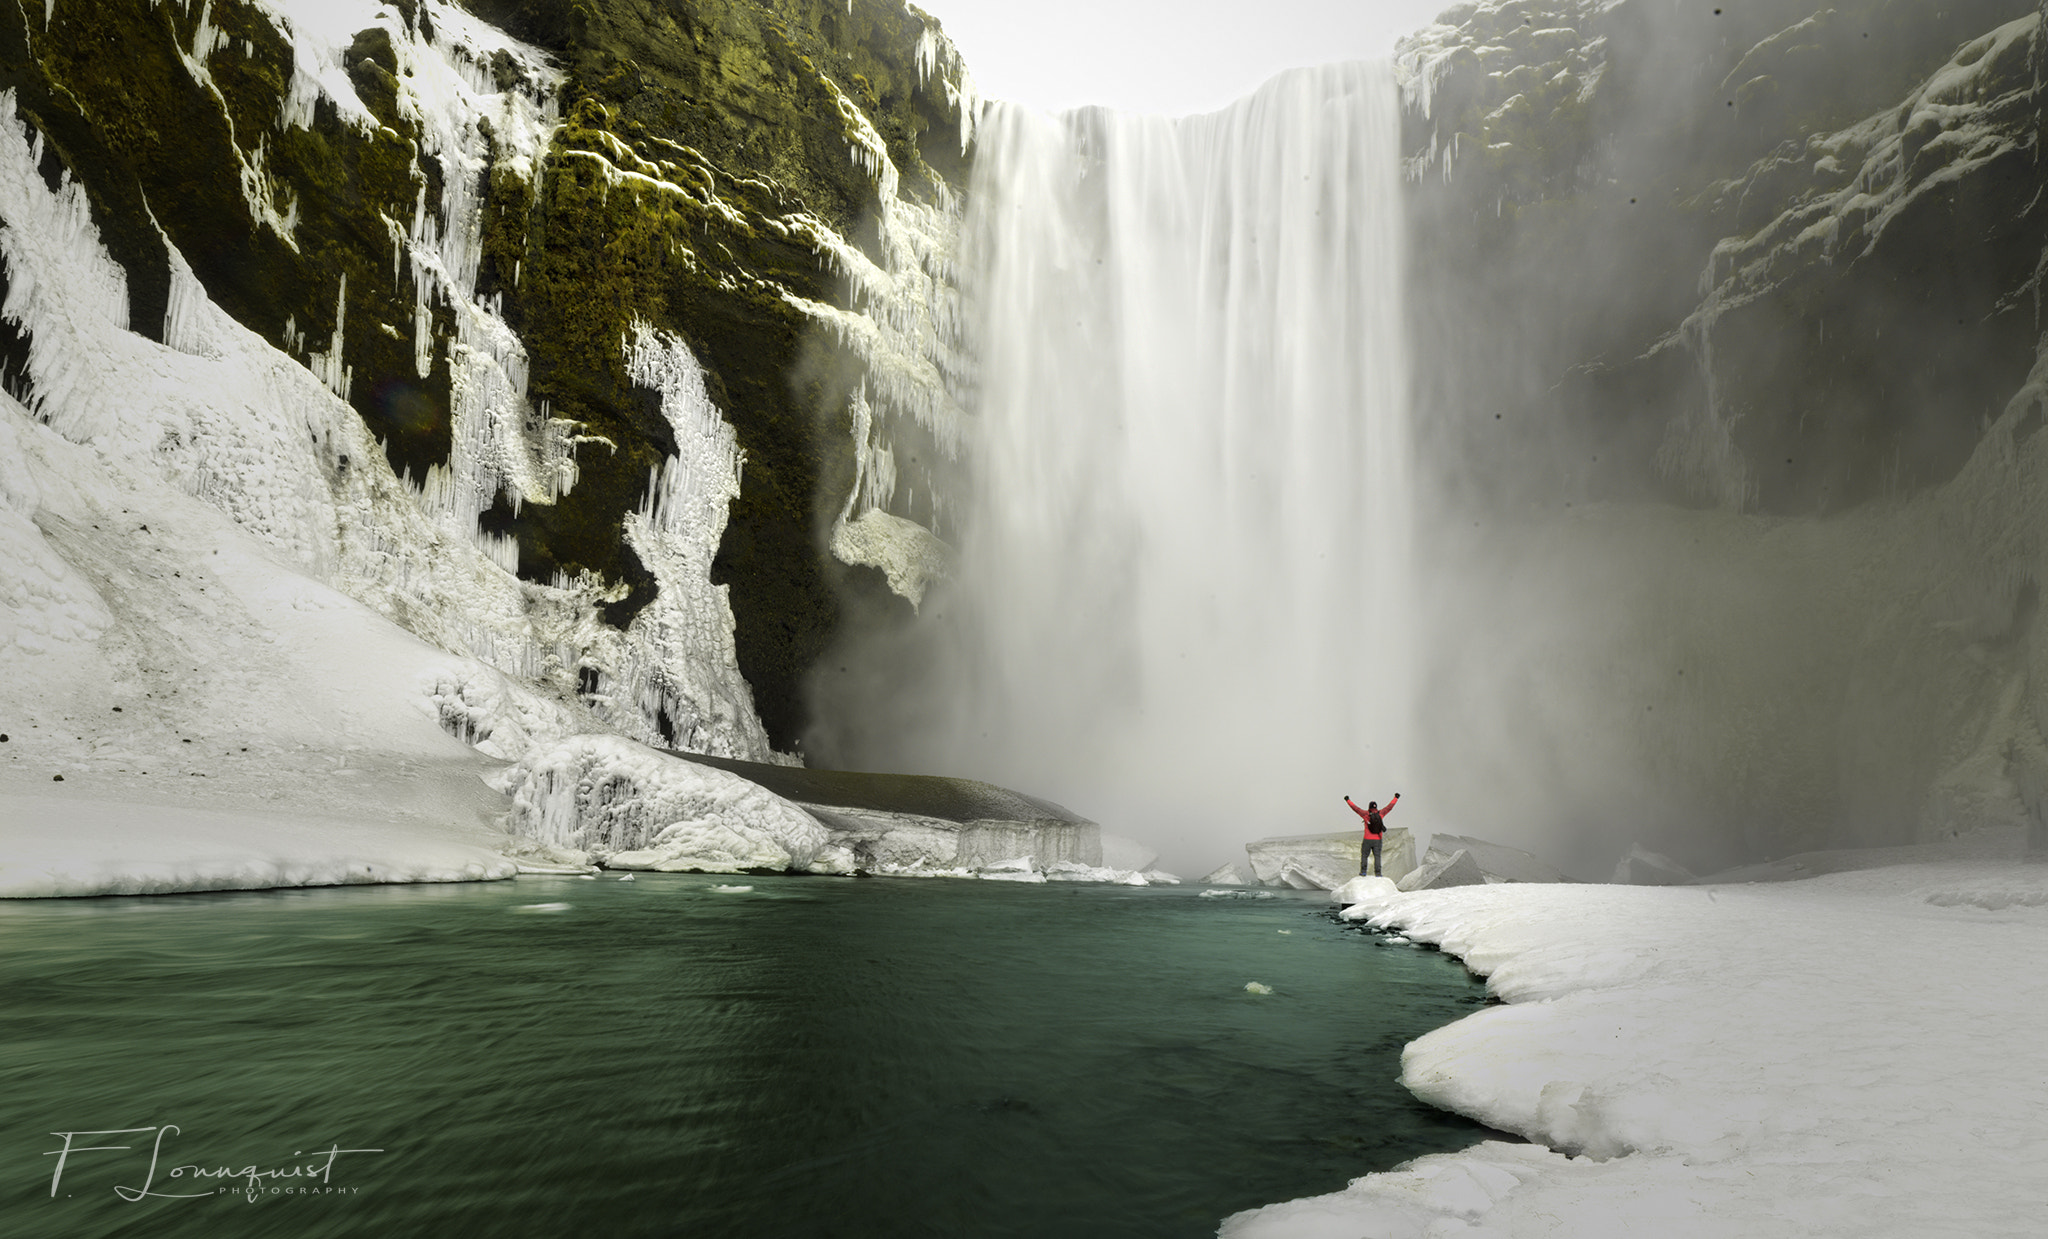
1182 603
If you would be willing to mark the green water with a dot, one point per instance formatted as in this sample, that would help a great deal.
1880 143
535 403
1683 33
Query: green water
815 1056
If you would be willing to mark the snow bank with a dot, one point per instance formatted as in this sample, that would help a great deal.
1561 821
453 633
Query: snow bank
165 669
58 846
1353 895
634 808
1855 1055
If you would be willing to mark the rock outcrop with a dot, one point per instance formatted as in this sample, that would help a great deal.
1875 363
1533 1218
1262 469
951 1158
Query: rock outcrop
647 306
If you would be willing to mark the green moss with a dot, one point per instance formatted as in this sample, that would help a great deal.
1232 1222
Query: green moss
729 102
156 150
724 100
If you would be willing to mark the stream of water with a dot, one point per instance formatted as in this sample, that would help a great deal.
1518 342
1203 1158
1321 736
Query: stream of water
556 1056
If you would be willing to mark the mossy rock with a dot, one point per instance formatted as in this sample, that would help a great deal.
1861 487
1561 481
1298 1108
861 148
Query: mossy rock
724 115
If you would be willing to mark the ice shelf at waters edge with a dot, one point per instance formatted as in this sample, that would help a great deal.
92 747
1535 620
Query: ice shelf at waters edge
1851 1055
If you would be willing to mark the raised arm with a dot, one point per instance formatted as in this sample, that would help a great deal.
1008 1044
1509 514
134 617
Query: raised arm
1355 809
1389 806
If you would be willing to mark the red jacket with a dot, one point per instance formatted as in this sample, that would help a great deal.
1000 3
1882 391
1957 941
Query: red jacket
1368 815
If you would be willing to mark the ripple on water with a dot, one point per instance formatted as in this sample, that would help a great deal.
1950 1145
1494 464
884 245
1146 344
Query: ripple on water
846 1058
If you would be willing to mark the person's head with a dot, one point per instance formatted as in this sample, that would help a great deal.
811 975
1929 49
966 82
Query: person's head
1372 804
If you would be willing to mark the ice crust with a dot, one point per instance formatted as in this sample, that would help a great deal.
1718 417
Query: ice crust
1497 861
1852 1055
1323 862
103 847
1441 870
186 710
631 807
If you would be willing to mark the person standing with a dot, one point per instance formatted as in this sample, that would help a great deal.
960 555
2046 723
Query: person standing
1375 831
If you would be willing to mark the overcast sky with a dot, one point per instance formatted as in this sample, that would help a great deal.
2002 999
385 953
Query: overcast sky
1163 56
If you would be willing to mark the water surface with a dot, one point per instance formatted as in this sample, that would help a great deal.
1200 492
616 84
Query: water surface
555 1056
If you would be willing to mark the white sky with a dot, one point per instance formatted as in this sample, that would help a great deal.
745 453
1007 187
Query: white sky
1162 56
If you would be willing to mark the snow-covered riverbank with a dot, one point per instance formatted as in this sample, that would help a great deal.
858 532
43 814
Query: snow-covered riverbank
1857 1055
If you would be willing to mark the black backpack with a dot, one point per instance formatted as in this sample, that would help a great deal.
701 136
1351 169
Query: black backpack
1374 824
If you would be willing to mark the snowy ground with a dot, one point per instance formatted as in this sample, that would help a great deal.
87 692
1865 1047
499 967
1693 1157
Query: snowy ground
181 708
1859 1054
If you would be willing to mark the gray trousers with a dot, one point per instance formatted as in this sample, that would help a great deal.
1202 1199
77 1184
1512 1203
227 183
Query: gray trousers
1369 857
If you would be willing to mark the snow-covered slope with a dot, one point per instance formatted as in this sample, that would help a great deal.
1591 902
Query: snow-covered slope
349 451
186 708
561 268
1857 1055
207 561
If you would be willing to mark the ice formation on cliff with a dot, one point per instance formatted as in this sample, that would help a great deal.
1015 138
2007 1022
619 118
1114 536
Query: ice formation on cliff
270 443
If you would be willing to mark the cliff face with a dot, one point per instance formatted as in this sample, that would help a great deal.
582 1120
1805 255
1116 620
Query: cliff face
562 260
1728 327
1784 253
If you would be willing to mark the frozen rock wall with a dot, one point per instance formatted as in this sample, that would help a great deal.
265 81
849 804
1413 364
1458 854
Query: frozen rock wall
525 248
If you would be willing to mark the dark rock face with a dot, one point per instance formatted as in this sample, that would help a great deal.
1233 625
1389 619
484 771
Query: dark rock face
1672 251
712 171
733 102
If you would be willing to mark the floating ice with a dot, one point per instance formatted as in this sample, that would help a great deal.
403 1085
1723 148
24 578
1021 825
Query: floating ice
1230 873
1253 987
1443 870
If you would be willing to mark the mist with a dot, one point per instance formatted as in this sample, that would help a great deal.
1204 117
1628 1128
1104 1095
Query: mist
1660 471
1726 380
